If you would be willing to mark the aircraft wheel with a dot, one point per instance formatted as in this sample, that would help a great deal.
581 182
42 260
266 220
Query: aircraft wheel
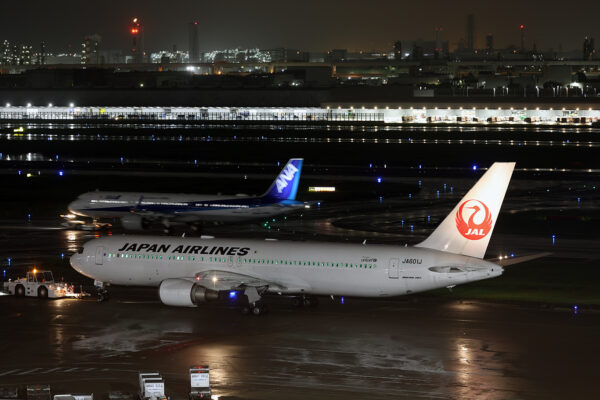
245 310
259 309
297 301
43 292
102 296
310 301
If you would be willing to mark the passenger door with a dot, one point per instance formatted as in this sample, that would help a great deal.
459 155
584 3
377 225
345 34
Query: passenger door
393 268
100 255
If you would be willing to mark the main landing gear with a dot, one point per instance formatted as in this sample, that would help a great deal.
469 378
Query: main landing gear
256 306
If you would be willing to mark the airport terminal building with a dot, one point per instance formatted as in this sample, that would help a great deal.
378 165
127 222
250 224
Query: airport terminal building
385 113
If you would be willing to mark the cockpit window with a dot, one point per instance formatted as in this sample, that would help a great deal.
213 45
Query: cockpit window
80 250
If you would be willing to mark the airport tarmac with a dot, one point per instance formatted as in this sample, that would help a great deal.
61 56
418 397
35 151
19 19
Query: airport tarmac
368 349
407 348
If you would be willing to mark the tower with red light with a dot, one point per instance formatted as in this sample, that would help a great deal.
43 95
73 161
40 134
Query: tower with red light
522 30
194 42
137 44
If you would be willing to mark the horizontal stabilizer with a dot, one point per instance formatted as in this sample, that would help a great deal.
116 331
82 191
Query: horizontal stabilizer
518 260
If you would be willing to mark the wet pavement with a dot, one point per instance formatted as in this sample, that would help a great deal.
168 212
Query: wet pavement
405 348
366 349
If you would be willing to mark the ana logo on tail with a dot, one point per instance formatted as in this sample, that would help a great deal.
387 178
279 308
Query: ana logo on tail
479 222
285 177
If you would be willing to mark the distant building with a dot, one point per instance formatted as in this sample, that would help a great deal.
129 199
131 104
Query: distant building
588 49
489 44
6 55
194 42
417 53
41 57
90 52
337 55
397 50
470 32
25 54
439 50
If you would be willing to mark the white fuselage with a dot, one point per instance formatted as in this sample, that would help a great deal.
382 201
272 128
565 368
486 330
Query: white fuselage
178 207
292 267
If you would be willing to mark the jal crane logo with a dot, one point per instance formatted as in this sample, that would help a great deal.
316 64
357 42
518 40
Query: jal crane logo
285 177
478 222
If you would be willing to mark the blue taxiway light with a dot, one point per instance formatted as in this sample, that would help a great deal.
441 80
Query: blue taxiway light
474 167
61 173
342 300
9 260
379 180
232 295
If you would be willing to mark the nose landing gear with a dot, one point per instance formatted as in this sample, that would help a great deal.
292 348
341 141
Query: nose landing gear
101 291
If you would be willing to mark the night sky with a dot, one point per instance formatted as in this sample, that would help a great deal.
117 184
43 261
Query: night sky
308 24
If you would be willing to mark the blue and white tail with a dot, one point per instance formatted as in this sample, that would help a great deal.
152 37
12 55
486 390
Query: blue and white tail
468 228
285 186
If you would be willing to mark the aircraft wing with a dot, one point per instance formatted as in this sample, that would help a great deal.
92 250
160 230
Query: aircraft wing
226 280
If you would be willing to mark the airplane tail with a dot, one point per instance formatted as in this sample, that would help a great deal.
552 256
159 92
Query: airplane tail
468 228
285 186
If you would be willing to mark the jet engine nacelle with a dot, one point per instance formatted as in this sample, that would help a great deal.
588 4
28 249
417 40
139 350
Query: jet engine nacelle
134 223
184 293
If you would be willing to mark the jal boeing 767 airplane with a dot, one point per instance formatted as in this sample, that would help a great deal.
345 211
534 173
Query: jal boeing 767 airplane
138 210
191 271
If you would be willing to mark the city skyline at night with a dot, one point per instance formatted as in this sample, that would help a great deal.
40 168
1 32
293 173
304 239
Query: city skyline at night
312 26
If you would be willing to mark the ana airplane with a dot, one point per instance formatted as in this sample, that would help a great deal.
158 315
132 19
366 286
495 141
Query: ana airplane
137 211
191 271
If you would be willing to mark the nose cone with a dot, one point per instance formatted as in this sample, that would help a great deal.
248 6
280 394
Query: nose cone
75 207
78 264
